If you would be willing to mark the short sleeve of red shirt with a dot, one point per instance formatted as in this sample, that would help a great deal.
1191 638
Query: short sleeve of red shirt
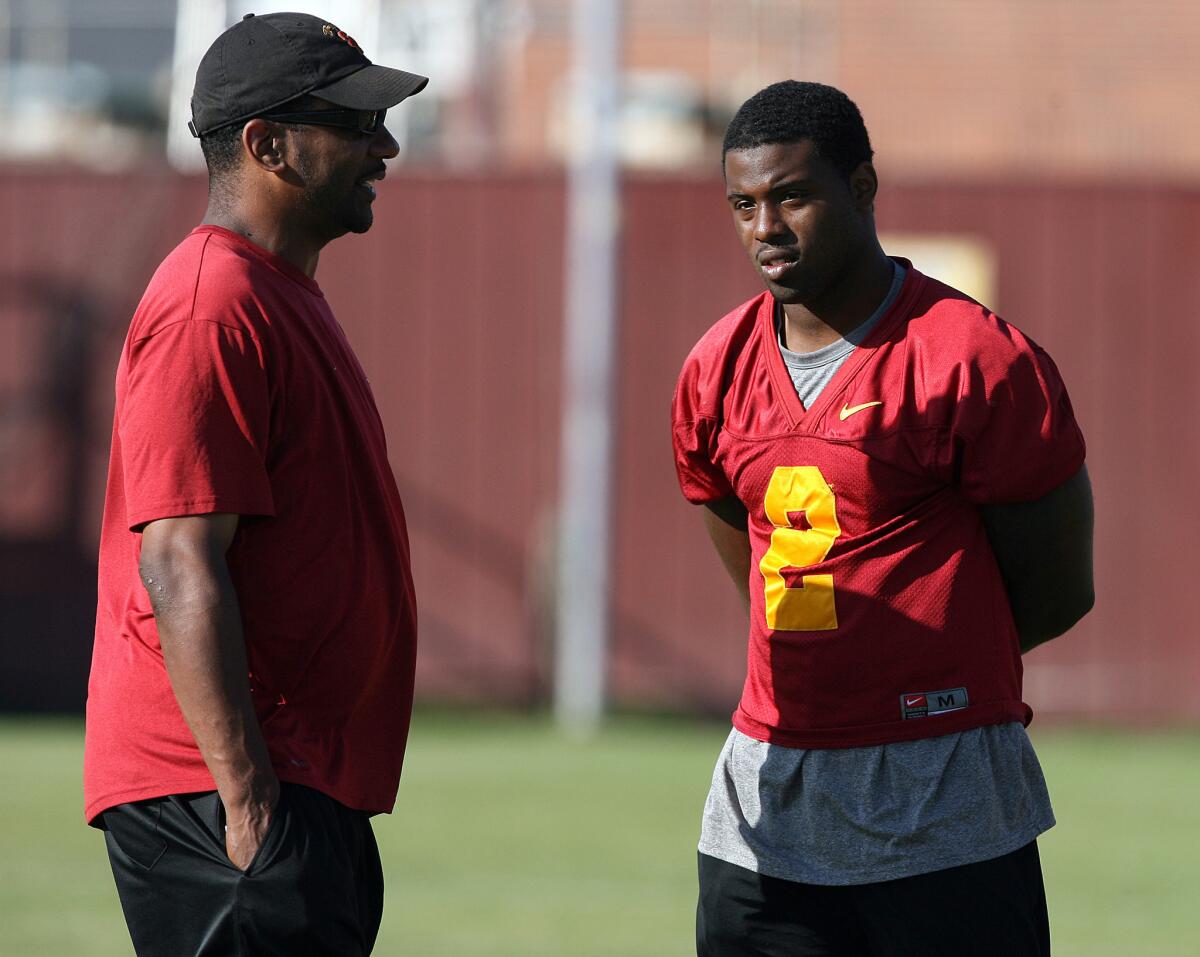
694 429
1014 428
195 423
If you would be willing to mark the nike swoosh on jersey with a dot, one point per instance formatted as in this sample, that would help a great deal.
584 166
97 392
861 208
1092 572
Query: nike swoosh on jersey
849 410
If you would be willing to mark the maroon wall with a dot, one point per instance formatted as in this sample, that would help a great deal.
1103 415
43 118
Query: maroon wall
454 303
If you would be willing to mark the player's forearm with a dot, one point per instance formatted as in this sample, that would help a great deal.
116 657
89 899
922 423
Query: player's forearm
199 627
1041 614
725 522
739 574
1036 630
1044 552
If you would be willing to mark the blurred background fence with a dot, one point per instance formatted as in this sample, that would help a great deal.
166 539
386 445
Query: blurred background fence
1041 139
454 302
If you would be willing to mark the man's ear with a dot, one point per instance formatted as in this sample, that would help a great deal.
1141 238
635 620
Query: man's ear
864 185
263 143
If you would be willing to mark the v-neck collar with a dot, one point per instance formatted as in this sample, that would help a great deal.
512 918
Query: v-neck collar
799 417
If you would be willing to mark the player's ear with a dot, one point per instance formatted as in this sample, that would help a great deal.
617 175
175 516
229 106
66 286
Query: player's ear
864 185
263 142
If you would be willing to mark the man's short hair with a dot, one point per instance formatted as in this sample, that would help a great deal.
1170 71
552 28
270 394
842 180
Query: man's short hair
791 111
222 150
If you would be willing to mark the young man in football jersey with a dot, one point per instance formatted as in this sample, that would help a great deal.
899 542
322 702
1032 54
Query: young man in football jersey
894 479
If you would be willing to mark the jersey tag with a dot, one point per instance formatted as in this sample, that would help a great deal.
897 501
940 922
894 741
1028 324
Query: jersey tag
921 704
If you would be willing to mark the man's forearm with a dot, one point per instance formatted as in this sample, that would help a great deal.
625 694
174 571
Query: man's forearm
199 627
1044 552
725 522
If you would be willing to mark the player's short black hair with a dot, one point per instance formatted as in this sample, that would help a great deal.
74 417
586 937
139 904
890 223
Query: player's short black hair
791 111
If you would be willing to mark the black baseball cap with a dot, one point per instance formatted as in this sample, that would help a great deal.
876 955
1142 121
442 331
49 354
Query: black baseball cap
263 62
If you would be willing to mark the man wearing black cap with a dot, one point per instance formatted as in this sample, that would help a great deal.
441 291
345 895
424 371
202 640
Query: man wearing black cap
252 673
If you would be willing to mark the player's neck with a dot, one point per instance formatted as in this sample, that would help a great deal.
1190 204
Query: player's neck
841 308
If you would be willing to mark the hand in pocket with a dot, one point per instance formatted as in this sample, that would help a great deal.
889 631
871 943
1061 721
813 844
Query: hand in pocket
246 828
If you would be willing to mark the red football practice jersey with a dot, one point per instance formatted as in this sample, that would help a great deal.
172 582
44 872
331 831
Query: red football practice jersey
877 610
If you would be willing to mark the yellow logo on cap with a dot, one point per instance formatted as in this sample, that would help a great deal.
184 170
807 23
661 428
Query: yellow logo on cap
333 32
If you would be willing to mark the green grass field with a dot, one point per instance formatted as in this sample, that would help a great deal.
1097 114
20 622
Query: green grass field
512 841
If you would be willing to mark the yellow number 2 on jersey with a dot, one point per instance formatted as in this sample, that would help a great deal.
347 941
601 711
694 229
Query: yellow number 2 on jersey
798 544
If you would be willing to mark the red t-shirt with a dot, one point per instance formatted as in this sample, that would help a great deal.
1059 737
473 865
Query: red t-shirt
875 595
238 392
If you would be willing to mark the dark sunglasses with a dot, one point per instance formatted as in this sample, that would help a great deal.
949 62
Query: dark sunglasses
362 121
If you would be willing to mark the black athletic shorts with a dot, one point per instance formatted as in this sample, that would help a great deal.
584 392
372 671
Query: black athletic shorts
995 908
315 887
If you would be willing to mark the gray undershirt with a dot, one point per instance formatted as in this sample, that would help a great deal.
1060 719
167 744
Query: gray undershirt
811 371
860 815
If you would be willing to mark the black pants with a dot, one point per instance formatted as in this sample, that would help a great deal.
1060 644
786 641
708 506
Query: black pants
994 908
315 887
